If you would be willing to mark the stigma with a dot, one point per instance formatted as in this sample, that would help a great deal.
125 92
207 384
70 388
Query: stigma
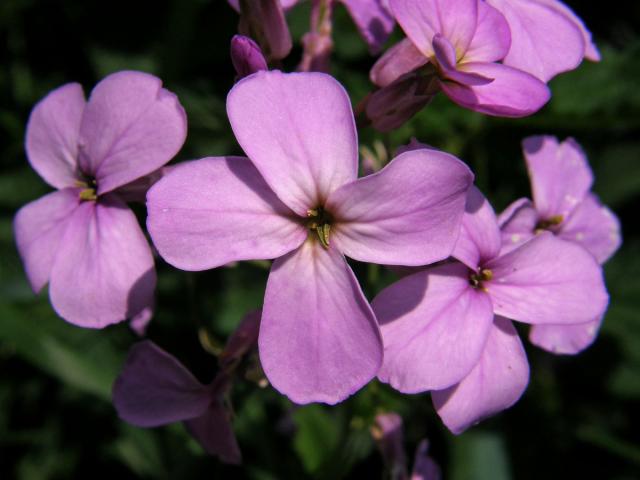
320 224
477 279
89 190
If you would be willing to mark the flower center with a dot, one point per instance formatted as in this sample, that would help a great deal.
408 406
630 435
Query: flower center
477 279
319 222
89 189
549 223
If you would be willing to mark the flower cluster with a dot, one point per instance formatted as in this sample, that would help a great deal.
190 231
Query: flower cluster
295 198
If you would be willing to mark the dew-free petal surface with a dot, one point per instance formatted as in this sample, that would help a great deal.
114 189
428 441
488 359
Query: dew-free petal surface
373 19
565 339
402 58
492 37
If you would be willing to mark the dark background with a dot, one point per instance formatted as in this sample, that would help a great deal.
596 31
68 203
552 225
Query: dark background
580 415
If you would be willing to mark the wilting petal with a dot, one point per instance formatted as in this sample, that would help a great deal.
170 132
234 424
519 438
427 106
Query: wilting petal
402 58
547 281
479 239
299 132
131 127
492 38
565 339
593 226
496 382
560 174
319 339
512 93
409 213
52 135
422 19
424 467
39 228
517 223
103 271
373 20
155 389
246 56
215 210
543 41
213 430
434 326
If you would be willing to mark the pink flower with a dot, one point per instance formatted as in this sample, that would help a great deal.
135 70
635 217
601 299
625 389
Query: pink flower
446 328
82 238
297 200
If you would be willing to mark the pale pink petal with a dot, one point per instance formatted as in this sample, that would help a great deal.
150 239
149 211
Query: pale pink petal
402 58
39 228
215 210
492 38
593 226
560 174
422 19
434 326
495 384
131 127
565 339
513 93
52 135
544 42
408 213
319 339
155 389
547 281
299 132
213 430
103 272
373 19
479 239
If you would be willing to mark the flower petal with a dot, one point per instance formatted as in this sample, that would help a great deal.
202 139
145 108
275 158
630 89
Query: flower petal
39 228
402 58
52 135
434 326
544 42
213 430
131 127
319 339
446 58
547 281
408 213
560 174
479 239
155 389
299 132
492 38
513 93
495 384
215 210
565 339
103 271
373 19
246 56
517 223
593 226
421 19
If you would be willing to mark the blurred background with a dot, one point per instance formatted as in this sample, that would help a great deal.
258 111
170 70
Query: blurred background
579 417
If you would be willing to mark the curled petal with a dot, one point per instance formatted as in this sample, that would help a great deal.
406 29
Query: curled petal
565 339
319 339
400 59
446 57
213 430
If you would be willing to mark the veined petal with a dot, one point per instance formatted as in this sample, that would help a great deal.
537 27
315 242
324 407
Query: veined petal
39 228
517 223
513 93
565 339
492 38
373 19
319 339
131 127
402 58
547 281
103 271
593 226
408 213
155 389
544 42
434 326
52 135
479 239
559 173
215 210
213 430
495 384
299 132
421 19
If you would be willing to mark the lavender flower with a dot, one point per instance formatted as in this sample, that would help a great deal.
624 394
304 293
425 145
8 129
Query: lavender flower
246 56
82 238
297 199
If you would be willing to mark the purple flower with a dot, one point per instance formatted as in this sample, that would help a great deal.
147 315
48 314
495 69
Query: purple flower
297 199
564 205
82 238
461 41
246 56
547 37
446 328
